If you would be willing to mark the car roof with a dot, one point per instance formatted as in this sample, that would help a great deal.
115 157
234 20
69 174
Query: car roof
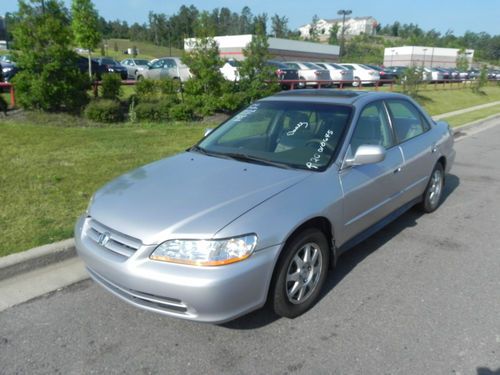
333 96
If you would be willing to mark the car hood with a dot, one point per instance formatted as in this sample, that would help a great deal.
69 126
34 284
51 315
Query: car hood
189 195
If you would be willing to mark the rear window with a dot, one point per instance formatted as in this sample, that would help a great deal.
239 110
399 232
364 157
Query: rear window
311 66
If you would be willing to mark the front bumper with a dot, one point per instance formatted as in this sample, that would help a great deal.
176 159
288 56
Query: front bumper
205 294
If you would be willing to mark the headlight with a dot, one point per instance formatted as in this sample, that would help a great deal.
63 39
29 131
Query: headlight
6 70
206 252
111 69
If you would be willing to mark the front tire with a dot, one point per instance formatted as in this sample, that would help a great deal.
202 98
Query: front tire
434 191
300 273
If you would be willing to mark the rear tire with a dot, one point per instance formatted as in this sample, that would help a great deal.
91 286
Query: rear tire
434 191
357 82
300 273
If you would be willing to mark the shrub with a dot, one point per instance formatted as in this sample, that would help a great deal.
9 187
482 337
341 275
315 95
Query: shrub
410 81
104 110
111 86
49 79
181 112
149 90
154 111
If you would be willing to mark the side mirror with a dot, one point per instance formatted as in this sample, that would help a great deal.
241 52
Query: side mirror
366 154
208 131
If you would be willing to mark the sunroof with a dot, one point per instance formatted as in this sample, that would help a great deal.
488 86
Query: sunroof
331 93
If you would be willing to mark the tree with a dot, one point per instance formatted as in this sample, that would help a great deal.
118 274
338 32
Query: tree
48 79
334 32
313 31
255 71
462 62
85 25
279 26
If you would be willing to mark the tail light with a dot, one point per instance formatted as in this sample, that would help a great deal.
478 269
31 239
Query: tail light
343 72
279 72
382 73
317 72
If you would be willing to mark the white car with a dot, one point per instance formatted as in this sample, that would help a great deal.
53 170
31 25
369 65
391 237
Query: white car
309 72
338 72
134 66
230 71
362 74
433 75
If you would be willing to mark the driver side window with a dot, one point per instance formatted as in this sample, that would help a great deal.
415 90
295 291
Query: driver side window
372 128
157 64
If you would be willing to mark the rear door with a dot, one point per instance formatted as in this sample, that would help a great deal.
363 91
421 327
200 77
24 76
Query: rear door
155 69
417 143
170 69
371 191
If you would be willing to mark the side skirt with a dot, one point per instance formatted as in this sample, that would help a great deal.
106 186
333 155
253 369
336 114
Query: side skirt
356 240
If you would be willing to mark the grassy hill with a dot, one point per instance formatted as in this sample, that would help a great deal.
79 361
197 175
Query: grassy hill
146 50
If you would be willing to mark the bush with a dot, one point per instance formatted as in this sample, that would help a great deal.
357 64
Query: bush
149 90
104 110
111 86
410 81
181 112
156 111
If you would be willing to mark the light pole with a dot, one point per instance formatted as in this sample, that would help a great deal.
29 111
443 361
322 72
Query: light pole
392 56
425 50
343 13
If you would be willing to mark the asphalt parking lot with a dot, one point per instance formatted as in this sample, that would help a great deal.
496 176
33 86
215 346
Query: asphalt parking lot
422 296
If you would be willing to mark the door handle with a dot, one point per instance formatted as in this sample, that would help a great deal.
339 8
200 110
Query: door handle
397 170
434 148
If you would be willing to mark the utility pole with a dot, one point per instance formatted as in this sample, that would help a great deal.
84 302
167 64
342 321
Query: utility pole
343 13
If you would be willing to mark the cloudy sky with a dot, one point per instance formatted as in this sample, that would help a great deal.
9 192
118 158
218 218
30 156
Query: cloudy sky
442 15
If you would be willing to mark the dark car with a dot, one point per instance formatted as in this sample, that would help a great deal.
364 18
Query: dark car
285 73
474 73
386 75
9 70
112 66
83 65
396 71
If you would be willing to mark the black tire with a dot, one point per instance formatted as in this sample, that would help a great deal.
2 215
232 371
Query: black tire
357 82
434 190
282 301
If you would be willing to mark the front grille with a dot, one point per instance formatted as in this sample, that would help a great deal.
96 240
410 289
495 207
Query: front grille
160 304
117 243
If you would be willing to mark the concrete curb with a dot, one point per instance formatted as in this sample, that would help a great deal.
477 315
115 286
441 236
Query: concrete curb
38 257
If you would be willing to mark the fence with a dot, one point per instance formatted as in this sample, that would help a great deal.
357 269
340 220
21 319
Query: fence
446 84
10 86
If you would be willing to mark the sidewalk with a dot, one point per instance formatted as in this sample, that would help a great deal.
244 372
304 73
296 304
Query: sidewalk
465 110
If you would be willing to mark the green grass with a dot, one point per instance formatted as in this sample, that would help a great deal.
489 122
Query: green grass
472 116
48 173
146 50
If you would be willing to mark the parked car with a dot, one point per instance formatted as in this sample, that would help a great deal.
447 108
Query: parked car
285 73
165 67
386 75
230 70
134 66
83 65
432 75
338 73
309 72
397 71
261 208
474 73
463 75
363 74
6 59
9 70
110 65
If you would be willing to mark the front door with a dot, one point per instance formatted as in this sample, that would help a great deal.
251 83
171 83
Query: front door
371 190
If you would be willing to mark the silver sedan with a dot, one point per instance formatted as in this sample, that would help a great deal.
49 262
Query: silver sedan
134 66
262 207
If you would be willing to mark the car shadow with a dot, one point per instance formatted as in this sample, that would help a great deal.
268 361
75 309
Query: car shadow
487 371
347 262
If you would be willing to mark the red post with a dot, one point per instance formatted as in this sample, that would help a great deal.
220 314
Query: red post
12 96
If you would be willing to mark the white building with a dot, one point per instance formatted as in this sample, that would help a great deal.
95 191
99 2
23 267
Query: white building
424 56
353 26
232 46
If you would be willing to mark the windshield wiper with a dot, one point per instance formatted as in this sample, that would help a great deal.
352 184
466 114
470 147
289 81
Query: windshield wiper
256 159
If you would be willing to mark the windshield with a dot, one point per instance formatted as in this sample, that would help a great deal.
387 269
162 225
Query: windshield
283 134
109 62
311 65
141 62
